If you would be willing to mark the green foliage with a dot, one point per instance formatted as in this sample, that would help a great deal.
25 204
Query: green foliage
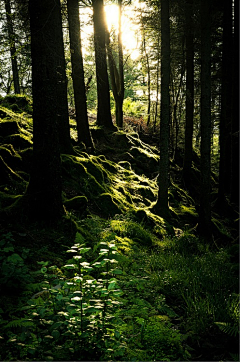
14 273
72 317
133 108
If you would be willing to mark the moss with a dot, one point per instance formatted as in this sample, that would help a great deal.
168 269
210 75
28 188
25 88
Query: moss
18 103
124 244
132 230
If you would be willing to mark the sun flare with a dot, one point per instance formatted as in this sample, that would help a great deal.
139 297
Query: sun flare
129 38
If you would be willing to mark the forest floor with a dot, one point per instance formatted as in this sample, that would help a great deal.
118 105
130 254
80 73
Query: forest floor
113 280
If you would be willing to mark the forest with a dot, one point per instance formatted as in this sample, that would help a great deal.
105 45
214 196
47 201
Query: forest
119 180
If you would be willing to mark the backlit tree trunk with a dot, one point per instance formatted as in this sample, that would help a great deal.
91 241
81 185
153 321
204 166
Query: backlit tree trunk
187 163
163 181
104 117
13 50
78 74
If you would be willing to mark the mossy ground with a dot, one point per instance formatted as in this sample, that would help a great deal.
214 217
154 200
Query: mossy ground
176 287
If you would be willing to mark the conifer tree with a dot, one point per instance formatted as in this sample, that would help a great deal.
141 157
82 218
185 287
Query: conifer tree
78 74
45 189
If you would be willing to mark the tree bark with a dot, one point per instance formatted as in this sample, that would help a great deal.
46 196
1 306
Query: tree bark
78 74
226 107
187 163
235 114
162 203
205 202
45 188
63 116
12 45
104 117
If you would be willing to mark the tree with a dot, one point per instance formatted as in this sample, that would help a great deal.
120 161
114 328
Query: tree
187 164
116 74
13 51
44 190
162 203
104 117
78 74
63 116
226 106
205 202
235 111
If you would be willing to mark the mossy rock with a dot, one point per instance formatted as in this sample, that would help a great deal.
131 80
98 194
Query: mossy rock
77 177
78 203
18 103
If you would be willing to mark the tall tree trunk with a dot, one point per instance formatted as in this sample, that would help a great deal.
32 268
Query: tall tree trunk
44 190
63 116
116 74
148 79
78 74
157 91
205 202
104 117
226 106
163 181
187 163
13 50
235 114
119 116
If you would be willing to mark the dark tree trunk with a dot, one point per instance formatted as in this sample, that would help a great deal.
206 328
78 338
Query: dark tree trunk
162 203
205 202
104 117
78 74
63 116
226 106
235 114
13 51
187 163
44 190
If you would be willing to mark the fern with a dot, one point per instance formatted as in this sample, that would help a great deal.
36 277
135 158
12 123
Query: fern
18 323
230 329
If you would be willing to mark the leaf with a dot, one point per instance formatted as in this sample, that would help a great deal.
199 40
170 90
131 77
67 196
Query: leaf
84 250
112 285
117 271
70 266
77 257
76 299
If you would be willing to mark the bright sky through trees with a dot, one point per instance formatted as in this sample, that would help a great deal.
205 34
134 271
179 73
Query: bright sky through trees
130 31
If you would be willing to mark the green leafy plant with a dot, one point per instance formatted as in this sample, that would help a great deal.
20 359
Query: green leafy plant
72 317
14 273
